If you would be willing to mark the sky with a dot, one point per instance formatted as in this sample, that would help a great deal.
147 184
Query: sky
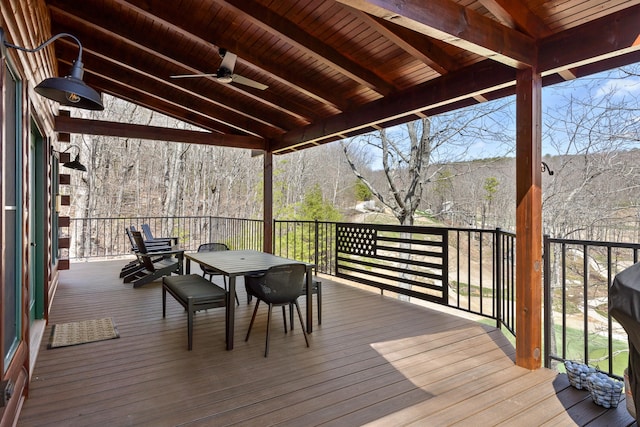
614 92
614 86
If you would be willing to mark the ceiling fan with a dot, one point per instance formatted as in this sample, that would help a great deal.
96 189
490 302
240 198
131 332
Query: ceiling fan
225 72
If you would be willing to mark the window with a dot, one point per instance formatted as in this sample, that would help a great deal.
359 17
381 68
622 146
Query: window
12 203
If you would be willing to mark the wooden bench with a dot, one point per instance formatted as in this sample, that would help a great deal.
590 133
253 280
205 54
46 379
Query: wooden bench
194 293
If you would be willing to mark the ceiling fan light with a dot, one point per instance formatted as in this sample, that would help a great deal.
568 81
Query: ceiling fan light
224 75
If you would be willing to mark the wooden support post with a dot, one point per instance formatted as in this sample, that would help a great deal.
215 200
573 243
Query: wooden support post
267 214
528 219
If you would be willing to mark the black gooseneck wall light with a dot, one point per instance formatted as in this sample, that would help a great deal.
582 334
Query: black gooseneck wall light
75 163
70 90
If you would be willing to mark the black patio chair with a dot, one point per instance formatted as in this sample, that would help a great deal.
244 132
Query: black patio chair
214 247
279 286
316 289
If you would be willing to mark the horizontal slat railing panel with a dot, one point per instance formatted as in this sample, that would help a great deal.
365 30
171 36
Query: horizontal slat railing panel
413 261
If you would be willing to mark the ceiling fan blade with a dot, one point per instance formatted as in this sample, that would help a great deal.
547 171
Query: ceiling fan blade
248 82
229 61
225 72
185 76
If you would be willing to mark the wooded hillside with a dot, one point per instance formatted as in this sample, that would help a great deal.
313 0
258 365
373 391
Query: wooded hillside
588 195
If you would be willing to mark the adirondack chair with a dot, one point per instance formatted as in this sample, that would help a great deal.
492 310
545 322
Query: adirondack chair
134 266
148 236
154 264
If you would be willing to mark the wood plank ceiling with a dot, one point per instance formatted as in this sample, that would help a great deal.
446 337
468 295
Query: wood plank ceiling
333 68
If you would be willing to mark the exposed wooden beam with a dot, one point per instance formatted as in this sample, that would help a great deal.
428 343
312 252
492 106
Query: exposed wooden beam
236 118
425 48
516 14
415 44
528 316
271 22
607 64
118 73
123 35
158 104
172 15
464 83
128 130
96 36
354 120
601 39
568 74
448 21
611 41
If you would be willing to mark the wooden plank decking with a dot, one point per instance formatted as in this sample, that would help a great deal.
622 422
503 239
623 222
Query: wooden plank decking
374 360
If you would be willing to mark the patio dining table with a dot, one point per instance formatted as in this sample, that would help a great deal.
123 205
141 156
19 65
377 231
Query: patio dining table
238 263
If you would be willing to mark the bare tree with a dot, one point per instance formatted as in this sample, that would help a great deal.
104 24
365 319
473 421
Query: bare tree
416 153
595 177
405 189
595 180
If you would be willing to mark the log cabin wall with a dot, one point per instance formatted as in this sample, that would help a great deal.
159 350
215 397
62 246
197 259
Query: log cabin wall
26 127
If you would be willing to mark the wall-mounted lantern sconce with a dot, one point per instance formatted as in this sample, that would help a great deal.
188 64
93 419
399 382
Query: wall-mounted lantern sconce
546 168
71 90
75 163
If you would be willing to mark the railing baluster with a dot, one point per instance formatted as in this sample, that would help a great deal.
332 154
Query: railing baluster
585 301
546 259
625 255
609 322
564 301
497 282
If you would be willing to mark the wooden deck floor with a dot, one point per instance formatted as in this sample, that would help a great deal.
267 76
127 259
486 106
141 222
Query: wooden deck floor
374 360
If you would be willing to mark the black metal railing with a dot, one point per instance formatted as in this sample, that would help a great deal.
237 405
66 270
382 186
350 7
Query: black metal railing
482 278
105 237
577 324
477 266
308 241
409 261
468 269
